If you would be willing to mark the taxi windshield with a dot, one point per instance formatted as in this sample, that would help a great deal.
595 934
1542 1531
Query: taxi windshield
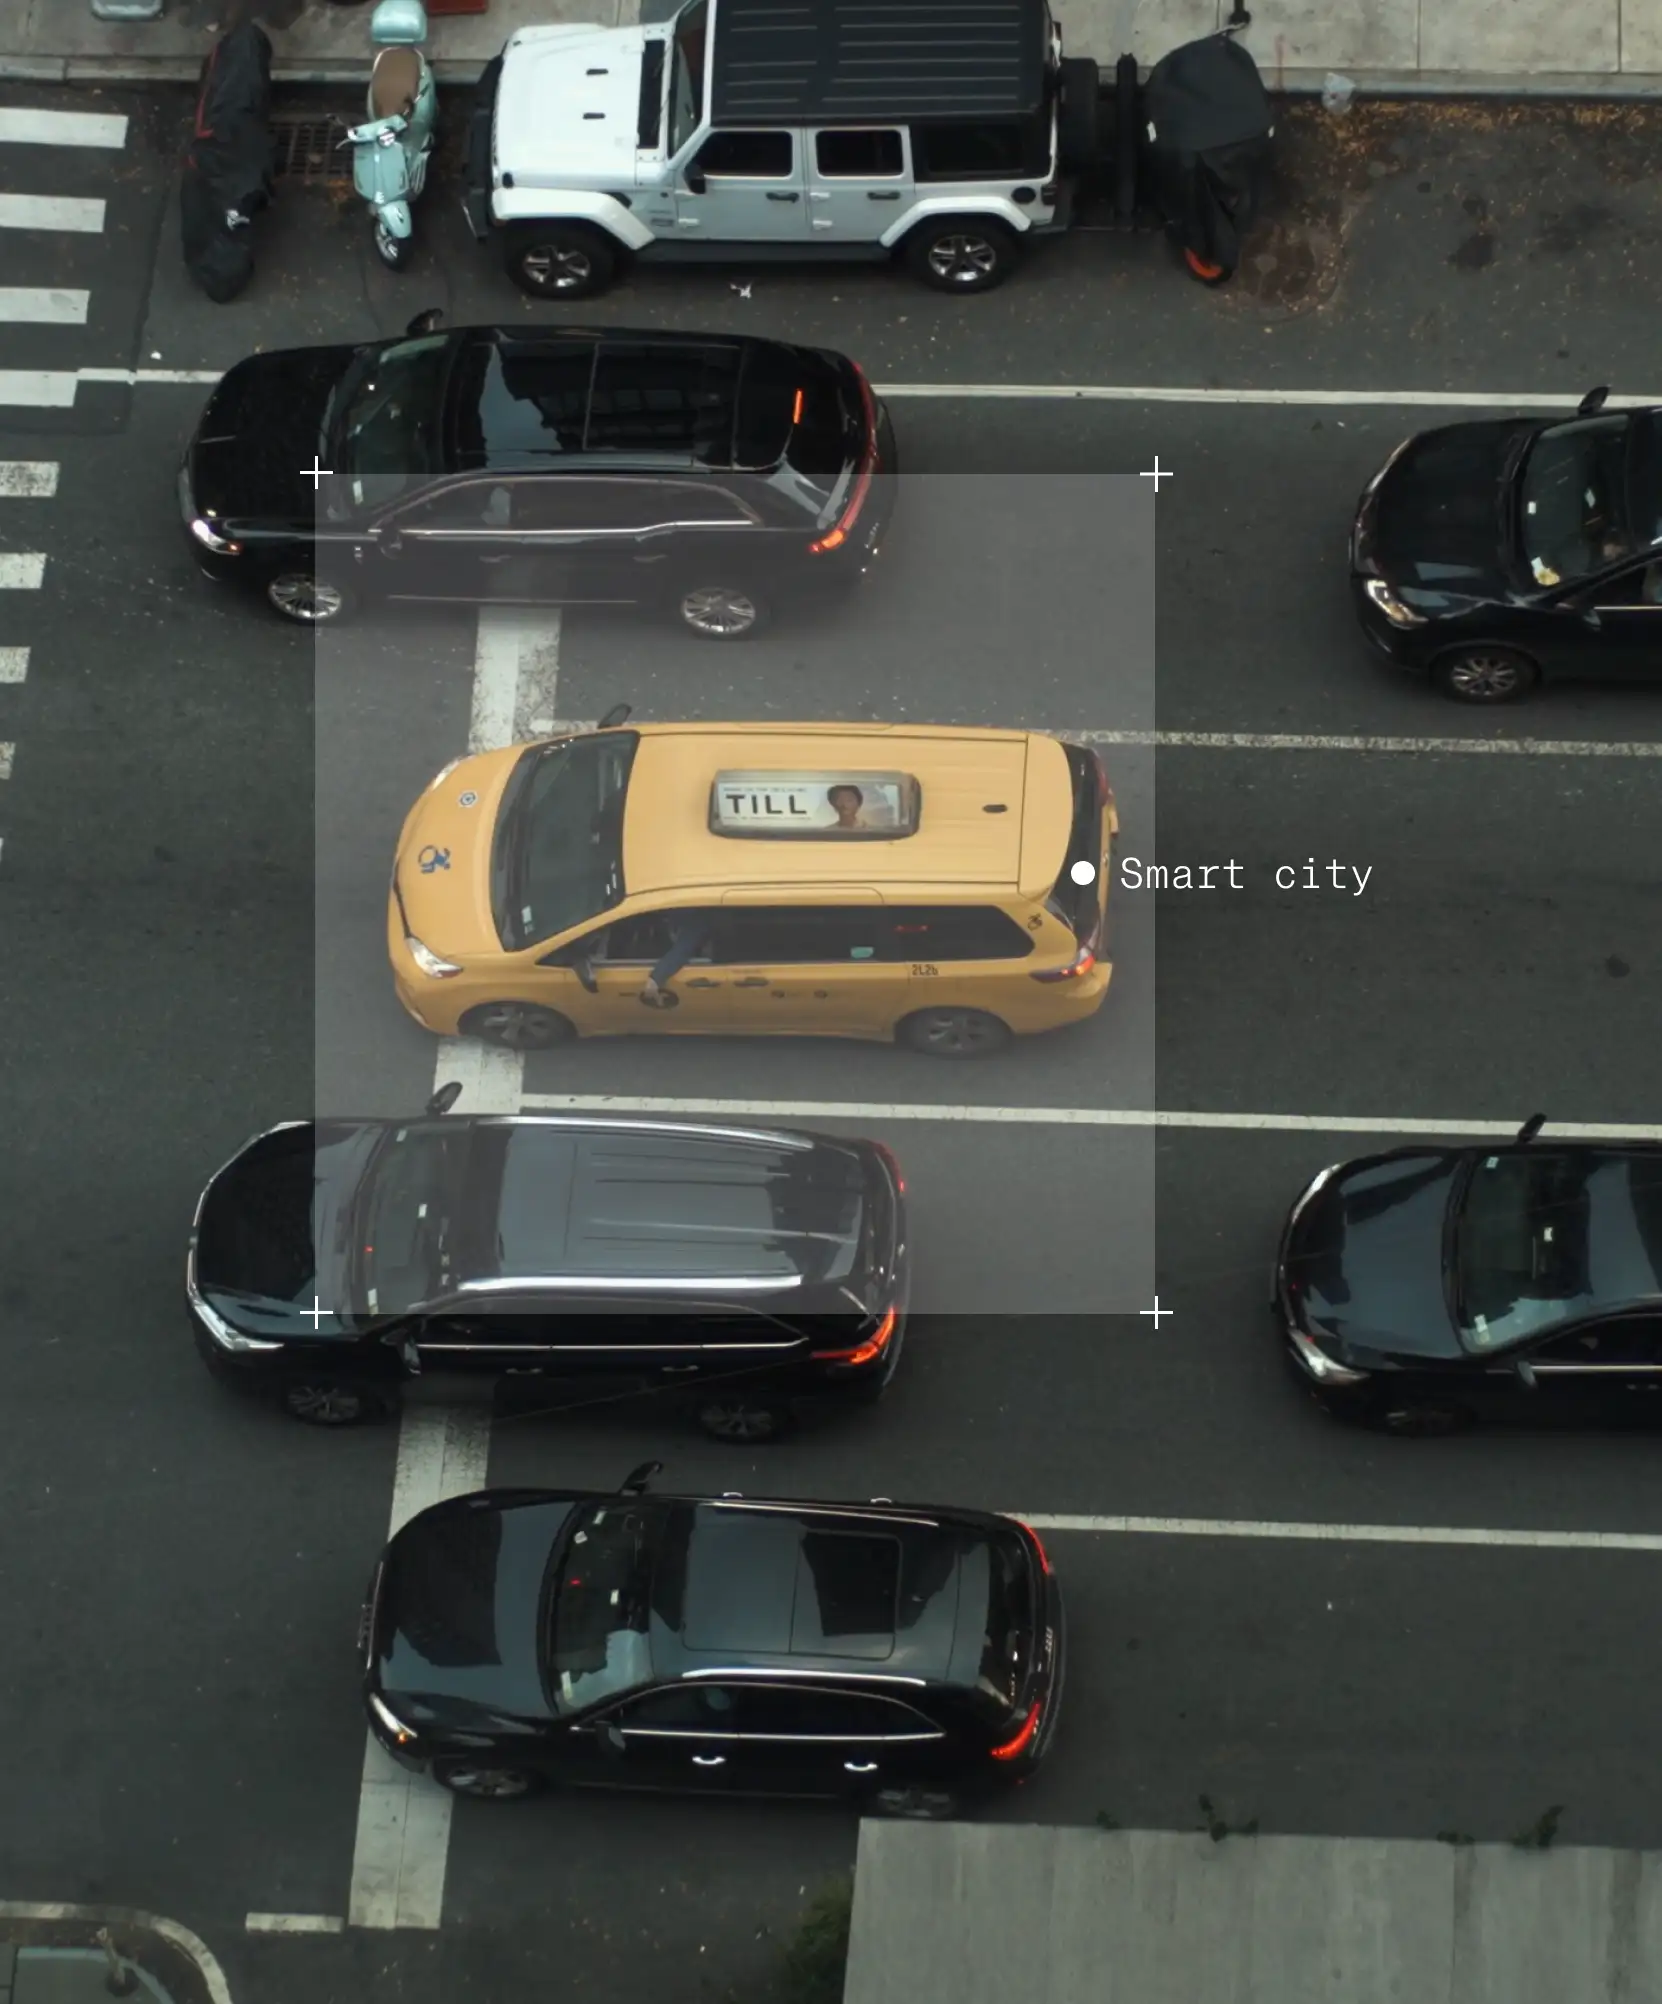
558 856
1542 1238
1580 497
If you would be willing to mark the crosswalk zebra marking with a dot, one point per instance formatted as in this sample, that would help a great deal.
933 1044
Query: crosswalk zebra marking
29 127
14 664
43 305
28 479
84 213
21 570
41 389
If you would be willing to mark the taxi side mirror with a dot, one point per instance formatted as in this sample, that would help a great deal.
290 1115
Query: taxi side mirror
583 968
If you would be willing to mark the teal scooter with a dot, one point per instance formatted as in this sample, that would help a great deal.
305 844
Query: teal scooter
390 151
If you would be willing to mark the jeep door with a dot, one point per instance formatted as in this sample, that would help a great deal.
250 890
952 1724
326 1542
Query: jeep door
859 181
749 189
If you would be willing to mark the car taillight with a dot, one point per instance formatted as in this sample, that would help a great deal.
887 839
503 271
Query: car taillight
1013 1749
1082 963
839 534
1104 792
1038 1546
890 1158
863 1353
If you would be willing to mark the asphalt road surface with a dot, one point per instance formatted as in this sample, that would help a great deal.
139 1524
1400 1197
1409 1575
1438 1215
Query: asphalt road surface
196 829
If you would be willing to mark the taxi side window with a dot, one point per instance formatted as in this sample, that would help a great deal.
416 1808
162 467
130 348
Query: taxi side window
644 938
782 934
955 932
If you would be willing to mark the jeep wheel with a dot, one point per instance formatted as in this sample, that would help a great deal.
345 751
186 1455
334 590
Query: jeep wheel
561 260
962 253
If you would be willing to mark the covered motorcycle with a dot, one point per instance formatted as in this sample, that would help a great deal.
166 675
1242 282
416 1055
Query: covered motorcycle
1207 132
228 162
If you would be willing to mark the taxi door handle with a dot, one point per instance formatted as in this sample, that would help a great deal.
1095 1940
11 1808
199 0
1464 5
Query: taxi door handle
753 981
702 982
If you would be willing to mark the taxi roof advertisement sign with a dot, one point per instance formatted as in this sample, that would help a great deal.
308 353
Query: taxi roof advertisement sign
814 805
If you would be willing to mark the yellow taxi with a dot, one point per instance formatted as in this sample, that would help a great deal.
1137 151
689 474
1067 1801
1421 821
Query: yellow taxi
943 887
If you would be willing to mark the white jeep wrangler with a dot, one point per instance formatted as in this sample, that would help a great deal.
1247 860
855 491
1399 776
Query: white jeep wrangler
739 132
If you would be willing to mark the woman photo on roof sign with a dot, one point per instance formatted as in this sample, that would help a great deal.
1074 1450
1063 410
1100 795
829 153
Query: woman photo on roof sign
845 802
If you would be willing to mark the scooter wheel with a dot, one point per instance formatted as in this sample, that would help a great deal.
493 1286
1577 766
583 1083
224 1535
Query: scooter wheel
394 252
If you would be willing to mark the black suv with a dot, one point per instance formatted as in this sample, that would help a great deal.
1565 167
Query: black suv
745 1272
707 475
905 1659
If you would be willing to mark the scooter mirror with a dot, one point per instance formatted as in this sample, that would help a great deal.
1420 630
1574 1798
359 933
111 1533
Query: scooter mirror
424 323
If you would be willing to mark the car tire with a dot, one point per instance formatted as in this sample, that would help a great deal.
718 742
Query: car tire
716 611
962 253
953 1033
487 1781
1479 673
741 1422
561 260
1421 1419
305 599
327 1404
517 1026
1078 131
916 1805
394 252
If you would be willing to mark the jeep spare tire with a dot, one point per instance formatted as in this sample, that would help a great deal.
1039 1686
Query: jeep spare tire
560 260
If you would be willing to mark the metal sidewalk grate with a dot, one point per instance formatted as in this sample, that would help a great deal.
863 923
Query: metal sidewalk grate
308 148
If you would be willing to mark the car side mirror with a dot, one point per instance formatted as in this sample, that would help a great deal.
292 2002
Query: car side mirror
614 1739
1594 400
1590 616
445 1098
695 180
424 323
1526 1375
619 713
392 541
634 1483
1531 1127
409 1356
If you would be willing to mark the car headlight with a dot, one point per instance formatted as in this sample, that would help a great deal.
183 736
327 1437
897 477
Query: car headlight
443 774
428 961
1381 594
1318 1363
390 1722
210 538
217 1327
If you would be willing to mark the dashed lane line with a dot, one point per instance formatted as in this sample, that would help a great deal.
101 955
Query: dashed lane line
1345 1534
75 213
1182 393
14 664
21 570
880 1113
22 126
295 1924
28 479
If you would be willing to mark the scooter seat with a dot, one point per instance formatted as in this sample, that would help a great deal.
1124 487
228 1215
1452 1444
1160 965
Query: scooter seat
394 83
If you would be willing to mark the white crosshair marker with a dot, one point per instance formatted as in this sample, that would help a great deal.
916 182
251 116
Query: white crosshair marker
317 1313
1157 473
1157 1311
1084 871
317 473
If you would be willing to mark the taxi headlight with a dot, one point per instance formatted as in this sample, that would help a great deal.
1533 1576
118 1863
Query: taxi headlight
428 961
443 774
210 538
1393 608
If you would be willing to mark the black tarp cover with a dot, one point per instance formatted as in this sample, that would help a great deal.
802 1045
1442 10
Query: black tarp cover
1208 121
228 161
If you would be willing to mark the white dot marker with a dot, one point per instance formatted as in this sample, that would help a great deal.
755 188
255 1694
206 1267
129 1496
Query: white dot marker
1083 872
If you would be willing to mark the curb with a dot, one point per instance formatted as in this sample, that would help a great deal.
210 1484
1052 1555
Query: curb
190 1946
1546 88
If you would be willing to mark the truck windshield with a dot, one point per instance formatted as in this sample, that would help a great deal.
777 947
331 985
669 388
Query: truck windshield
686 81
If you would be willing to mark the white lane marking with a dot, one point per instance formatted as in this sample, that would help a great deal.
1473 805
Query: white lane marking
1068 1116
21 570
8 752
52 212
403 1837
134 376
1347 1534
51 305
45 389
28 479
1183 393
1279 741
295 1924
20 127
14 664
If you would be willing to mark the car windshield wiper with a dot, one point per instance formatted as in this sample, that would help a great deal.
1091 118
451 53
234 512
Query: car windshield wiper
1454 1248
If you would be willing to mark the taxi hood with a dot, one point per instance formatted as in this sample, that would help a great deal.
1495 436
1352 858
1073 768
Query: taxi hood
442 872
568 106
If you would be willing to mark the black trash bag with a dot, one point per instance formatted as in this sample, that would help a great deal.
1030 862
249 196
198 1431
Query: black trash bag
1208 123
228 163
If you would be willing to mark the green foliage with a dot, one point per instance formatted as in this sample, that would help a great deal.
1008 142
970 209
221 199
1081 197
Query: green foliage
817 1957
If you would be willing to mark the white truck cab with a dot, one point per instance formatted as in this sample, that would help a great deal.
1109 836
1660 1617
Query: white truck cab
740 132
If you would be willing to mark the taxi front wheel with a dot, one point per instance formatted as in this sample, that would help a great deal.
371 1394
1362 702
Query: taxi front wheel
954 1033
520 1026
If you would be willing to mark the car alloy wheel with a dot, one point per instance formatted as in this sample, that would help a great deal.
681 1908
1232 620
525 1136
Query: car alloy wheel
518 1026
305 599
1487 675
718 612
327 1405
964 260
737 1420
484 1784
918 1805
558 269
955 1033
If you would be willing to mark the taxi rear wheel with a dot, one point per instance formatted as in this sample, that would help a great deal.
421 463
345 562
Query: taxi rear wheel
519 1026
954 1033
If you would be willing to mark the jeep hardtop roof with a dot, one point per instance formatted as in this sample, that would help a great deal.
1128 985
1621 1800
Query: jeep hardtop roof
784 62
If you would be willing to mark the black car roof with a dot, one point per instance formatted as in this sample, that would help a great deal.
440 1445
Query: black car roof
777 62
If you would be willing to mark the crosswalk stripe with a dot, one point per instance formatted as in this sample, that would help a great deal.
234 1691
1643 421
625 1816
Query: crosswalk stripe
43 304
40 388
7 752
28 479
21 570
29 127
14 664
52 212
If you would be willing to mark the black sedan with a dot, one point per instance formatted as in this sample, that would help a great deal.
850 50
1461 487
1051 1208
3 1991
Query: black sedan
904 1659
711 477
1419 1291
1496 555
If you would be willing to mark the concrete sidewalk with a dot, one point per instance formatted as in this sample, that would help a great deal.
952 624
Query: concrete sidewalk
1519 47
